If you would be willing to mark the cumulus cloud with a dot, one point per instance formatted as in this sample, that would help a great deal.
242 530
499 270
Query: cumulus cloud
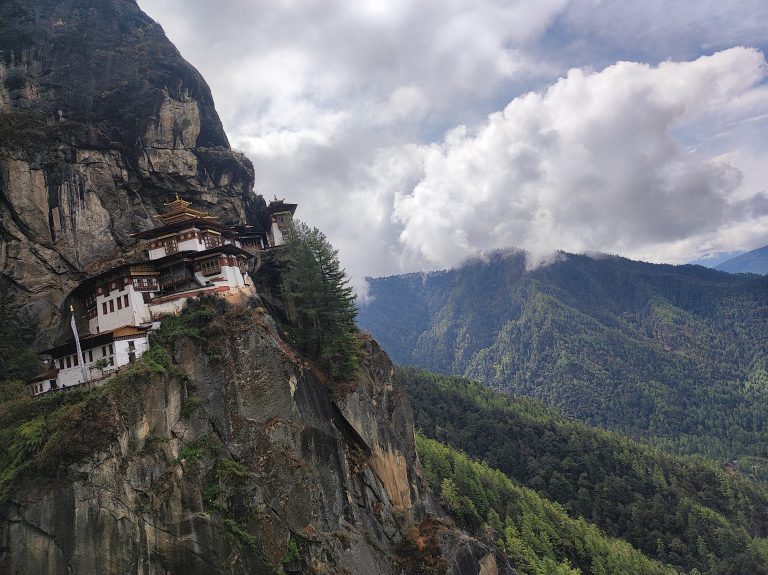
286 63
589 164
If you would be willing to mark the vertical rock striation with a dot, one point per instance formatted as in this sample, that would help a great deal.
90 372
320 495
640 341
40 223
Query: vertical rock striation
214 467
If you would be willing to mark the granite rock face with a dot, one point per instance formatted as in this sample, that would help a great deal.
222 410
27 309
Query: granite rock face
239 449
101 122
241 457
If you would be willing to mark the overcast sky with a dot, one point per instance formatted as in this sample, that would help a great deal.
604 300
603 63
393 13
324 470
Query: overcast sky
417 133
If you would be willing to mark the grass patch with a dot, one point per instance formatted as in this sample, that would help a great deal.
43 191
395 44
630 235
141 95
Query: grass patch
231 471
44 435
194 323
157 359
211 494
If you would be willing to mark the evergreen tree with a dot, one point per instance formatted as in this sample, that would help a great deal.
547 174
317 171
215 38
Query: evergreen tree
17 359
321 302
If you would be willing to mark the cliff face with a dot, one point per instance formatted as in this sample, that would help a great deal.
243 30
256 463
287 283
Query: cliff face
101 121
232 454
214 466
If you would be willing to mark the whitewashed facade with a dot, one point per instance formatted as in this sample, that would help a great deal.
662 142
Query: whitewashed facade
118 348
190 255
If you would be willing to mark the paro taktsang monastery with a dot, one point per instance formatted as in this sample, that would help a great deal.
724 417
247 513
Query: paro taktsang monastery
189 255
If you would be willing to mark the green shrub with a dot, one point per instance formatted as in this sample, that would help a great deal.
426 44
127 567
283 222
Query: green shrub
240 536
292 554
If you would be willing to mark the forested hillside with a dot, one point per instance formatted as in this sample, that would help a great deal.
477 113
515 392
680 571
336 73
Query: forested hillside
682 511
674 353
536 534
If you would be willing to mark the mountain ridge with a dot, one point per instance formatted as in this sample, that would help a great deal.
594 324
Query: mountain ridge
754 262
610 341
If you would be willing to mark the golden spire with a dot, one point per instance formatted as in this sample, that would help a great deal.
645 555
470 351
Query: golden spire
179 210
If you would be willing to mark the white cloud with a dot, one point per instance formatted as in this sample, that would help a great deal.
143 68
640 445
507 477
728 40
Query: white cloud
590 164
373 116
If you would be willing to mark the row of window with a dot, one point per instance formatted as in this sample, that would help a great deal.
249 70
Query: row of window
73 360
210 267
109 306
107 288
40 387
211 241
144 283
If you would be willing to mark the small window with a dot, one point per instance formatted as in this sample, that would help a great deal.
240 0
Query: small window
111 350
90 355
125 300
69 361
76 360
119 303
111 305
103 351
104 308
61 363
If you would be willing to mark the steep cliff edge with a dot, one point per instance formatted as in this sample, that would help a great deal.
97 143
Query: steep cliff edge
101 121
221 450
224 452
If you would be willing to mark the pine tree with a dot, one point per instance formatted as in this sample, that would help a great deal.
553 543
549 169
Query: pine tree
17 359
321 301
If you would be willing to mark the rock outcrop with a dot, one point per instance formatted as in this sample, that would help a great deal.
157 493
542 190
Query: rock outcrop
233 454
238 454
101 121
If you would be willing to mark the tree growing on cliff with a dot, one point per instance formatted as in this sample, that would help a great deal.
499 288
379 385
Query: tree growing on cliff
17 359
321 302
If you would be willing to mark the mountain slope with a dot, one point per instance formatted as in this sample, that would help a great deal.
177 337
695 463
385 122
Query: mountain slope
754 262
676 353
536 534
714 260
682 511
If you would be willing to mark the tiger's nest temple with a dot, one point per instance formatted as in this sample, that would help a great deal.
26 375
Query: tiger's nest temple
189 255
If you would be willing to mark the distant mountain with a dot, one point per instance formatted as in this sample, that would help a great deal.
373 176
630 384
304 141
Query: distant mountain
754 262
673 353
714 260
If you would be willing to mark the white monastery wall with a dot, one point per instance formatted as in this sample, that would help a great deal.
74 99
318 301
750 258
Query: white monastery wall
121 307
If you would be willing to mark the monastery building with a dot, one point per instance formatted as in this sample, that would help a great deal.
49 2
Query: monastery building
189 255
